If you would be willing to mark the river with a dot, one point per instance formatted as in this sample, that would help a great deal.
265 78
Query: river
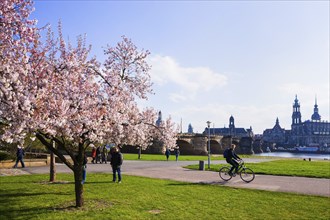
296 155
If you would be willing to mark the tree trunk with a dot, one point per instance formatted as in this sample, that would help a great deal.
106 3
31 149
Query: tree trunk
78 185
52 171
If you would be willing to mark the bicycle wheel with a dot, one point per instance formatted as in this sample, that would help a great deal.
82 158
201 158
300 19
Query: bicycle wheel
247 175
224 173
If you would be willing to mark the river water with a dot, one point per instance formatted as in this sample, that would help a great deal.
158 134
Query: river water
296 155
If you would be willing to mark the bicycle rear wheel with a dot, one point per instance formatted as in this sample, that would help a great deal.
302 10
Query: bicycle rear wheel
224 173
247 175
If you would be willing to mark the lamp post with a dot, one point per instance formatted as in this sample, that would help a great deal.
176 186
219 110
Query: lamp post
208 146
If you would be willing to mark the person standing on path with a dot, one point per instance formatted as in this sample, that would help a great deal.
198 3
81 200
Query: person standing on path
98 155
167 153
104 154
19 156
93 154
177 153
116 161
84 172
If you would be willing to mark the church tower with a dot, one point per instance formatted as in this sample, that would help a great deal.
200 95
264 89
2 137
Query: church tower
296 115
316 116
232 125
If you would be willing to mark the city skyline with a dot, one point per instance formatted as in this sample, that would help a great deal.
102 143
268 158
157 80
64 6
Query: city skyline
214 59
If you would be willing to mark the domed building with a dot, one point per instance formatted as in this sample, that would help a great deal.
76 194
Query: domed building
312 132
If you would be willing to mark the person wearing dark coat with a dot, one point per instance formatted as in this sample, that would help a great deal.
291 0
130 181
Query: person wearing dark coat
232 159
19 156
84 172
116 161
98 155
177 153
167 153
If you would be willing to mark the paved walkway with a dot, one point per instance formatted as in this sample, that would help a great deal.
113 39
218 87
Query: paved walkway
173 171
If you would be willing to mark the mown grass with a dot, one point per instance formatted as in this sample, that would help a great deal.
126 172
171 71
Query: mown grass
285 167
32 197
159 157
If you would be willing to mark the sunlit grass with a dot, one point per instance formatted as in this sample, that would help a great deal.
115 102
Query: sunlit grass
32 197
285 167
160 157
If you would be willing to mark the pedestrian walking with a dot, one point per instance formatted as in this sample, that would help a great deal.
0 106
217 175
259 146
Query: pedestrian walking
116 161
19 156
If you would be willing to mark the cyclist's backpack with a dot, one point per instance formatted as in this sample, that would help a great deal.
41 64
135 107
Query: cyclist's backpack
225 153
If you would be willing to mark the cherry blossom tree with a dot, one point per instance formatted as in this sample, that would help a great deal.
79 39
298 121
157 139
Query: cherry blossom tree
59 93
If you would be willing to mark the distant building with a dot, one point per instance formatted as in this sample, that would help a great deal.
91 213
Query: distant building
231 130
312 132
190 129
275 135
159 120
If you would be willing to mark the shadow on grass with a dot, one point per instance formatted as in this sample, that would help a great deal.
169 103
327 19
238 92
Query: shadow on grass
224 183
23 213
5 196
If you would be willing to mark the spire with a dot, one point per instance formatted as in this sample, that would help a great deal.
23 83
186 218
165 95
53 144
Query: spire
296 115
315 105
231 125
277 125
315 115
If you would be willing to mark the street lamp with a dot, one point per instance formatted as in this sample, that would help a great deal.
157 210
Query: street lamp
208 146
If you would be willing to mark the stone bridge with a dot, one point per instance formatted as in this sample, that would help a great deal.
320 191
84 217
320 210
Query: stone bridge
196 144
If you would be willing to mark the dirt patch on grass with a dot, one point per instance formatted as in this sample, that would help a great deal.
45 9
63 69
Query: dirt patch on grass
12 172
155 211
44 182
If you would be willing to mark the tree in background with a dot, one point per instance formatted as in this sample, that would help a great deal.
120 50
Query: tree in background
58 92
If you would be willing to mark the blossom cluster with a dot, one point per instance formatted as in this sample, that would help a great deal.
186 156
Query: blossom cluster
59 90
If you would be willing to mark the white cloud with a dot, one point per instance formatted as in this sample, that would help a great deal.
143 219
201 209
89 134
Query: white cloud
190 80
177 97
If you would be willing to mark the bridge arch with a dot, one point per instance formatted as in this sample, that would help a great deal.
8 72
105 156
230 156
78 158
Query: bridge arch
185 147
215 147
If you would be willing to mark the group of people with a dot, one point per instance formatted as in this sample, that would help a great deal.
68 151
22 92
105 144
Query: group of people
176 152
116 160
100 154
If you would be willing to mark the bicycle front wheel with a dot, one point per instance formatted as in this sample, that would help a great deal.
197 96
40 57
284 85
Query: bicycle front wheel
247 175
224 173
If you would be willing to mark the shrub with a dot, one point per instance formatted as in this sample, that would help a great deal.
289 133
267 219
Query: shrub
6 156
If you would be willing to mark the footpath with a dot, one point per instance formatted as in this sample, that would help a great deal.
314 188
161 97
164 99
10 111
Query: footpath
173 170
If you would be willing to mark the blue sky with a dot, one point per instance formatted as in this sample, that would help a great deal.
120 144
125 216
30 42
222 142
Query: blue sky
214 59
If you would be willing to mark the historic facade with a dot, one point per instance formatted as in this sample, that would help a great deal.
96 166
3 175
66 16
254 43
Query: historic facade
313 132
231 130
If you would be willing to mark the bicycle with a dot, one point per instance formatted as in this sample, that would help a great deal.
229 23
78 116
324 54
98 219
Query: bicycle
246 174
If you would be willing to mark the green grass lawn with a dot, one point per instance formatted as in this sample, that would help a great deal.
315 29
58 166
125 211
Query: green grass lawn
285 167
32 197
159 157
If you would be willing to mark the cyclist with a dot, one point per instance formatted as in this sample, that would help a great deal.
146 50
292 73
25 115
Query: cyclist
232 158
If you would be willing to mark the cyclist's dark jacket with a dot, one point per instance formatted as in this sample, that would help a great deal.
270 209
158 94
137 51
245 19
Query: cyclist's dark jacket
232 155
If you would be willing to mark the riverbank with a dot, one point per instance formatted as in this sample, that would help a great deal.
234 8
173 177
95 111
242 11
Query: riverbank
296 155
